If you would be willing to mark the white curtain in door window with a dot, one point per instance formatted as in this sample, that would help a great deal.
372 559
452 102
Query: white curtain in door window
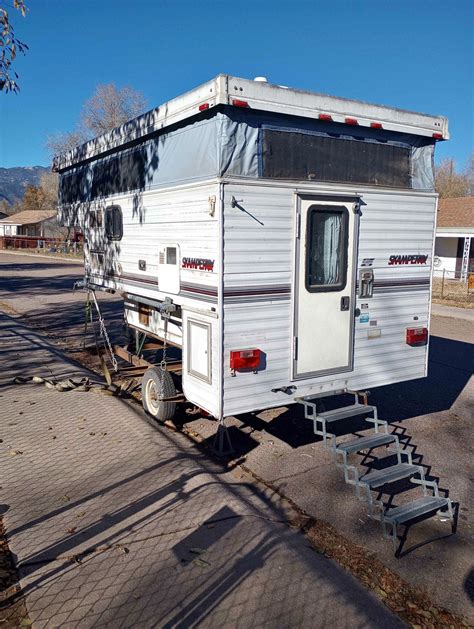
331 248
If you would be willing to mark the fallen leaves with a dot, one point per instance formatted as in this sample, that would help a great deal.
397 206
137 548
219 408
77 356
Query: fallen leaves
202 563
411 604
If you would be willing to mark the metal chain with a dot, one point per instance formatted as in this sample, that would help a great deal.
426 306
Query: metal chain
165 316
103 331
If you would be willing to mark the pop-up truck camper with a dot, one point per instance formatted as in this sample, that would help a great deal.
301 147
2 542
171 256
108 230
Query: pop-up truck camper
282 239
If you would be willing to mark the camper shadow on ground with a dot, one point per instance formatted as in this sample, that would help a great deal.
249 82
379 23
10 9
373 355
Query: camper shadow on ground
450 367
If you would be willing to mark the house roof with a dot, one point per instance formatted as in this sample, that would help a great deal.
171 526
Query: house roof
457 212
29 217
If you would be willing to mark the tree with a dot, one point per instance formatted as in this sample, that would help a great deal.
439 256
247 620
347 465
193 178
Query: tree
470 174
109 107
34 199
448 182
9 46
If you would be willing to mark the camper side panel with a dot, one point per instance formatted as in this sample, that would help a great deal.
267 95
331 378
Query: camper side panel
169 247
259 254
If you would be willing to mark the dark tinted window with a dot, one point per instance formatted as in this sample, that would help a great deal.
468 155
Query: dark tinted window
113 222
294 155
122 173
326 248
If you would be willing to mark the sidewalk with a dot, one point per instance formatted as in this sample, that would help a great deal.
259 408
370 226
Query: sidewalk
451 311
115 524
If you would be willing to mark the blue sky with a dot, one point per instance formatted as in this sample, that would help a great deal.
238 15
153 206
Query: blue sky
413 54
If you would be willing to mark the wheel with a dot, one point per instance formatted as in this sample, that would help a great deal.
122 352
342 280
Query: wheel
151 391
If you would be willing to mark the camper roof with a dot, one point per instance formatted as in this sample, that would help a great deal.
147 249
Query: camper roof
263 96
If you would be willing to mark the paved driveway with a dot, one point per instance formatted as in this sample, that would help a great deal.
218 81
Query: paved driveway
116 524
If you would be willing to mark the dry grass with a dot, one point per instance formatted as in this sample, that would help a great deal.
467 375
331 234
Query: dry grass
453 291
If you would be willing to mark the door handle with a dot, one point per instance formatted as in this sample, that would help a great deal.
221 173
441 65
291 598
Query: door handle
345 303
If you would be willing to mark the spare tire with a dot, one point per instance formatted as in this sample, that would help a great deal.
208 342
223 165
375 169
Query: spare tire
151 392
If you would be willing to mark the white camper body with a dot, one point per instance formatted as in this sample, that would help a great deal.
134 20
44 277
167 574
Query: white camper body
284 287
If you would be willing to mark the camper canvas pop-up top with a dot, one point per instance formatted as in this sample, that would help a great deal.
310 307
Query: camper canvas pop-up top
282 239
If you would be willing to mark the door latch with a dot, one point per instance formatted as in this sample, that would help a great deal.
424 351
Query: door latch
345 303
366 283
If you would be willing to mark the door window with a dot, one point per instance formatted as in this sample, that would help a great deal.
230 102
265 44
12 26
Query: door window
326 248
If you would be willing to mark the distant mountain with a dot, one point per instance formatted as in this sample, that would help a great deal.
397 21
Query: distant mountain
13 181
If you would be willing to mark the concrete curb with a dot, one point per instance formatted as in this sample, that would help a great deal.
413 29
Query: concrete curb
41 255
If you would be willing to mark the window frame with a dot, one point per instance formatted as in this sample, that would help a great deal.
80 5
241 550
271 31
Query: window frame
113 236
344 247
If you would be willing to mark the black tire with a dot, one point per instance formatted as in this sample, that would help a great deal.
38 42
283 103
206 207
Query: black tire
151 390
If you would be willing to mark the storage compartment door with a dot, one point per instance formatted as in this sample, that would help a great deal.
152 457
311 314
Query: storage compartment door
324 286
201 381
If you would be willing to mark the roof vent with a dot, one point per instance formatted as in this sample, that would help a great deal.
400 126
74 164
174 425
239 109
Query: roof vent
261 79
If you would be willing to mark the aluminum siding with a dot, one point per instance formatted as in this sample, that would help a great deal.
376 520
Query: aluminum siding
258 291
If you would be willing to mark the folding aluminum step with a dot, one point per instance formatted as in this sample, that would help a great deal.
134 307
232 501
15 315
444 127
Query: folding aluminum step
321 420
346 411
366 443
379 478
414 509
391 474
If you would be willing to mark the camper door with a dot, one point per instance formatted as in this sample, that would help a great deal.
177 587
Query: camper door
325 273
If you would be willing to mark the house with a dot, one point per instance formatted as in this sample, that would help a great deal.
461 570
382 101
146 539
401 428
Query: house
39 223
454 248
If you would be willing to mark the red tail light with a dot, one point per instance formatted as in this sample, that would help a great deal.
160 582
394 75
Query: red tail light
352 121
417 336
325 117
240 103
438 136
376 125
245 359
203 107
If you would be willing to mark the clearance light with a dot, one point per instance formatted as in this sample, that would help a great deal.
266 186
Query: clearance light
203 107
376 125
353 121
417 336
438 136
325 117
245 359
240 103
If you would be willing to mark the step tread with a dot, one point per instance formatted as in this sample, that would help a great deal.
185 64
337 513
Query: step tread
414 509
346 411
364 443
389 475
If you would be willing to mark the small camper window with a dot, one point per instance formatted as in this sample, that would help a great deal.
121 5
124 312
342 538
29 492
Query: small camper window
326 248
170 255
113 222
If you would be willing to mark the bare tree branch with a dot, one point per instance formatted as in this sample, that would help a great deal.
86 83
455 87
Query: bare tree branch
10 46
